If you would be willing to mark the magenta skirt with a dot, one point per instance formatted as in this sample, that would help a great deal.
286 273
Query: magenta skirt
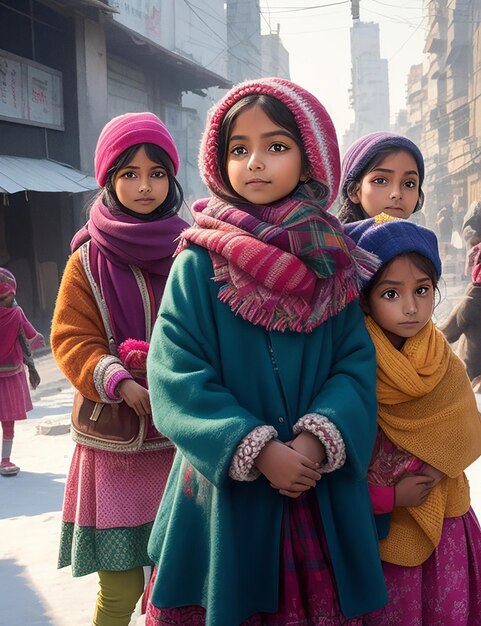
445 590
307 596
15 399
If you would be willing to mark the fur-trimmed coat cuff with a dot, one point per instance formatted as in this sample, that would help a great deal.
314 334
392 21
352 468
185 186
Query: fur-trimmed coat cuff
328 435
242 464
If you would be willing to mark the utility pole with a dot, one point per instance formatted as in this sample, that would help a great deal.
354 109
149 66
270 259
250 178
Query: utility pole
355 9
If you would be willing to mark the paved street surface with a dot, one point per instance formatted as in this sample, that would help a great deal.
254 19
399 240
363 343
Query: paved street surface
32 590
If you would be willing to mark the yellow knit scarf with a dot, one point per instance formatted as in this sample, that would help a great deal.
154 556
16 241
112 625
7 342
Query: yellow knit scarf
426 407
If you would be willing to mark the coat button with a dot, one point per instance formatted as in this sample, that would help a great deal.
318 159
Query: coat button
281 420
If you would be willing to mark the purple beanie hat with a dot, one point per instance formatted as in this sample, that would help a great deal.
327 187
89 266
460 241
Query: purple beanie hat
315 125
127 130
365 148
8 284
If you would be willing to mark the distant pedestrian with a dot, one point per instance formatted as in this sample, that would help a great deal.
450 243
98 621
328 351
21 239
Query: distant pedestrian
18 339
471 228
463 324
457 215
262 373
429 432
381 172
445 224
471 232
125 250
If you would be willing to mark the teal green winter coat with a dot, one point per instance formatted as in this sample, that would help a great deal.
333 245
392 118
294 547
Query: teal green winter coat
213 378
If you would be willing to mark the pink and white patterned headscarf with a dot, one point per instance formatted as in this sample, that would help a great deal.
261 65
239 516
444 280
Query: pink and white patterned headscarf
315 124
8 284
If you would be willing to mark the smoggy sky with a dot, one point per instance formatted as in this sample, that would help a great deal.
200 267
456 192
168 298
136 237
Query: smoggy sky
318 41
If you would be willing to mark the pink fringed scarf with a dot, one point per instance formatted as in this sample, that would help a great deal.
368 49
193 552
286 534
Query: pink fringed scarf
285 267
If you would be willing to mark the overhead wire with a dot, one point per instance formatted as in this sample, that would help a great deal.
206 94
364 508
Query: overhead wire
249 61
307 8
449 121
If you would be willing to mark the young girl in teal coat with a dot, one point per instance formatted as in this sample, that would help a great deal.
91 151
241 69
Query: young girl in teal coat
262 374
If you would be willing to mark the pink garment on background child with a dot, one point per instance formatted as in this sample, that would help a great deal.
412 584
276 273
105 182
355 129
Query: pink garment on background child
15 399
389 464
450 578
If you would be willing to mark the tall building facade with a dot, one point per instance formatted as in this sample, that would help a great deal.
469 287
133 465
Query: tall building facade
65 69
244 52
474 108
370 84
196 31
275 57
451 134
416 103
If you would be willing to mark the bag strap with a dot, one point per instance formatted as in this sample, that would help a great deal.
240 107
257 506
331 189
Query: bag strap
101 305
33 375
144 293
26 349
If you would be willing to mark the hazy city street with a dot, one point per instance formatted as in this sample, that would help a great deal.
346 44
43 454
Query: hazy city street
110 129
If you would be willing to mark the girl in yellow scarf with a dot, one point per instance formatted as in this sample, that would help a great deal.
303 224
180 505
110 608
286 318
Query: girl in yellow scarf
429 432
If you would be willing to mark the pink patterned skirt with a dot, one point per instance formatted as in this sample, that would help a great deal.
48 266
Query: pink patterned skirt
445 590
115 489
110 503
15 399
307 596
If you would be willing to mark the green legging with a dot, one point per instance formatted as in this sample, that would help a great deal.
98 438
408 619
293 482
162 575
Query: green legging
118 594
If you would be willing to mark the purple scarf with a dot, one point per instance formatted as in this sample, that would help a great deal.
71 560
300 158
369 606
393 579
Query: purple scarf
118 241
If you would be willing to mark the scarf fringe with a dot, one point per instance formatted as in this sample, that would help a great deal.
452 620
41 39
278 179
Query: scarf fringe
290 313
366 264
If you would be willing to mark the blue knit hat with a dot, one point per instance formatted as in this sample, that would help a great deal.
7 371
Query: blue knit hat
387 237
364 149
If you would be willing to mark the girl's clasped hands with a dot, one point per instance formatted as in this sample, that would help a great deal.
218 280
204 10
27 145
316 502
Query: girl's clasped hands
292 467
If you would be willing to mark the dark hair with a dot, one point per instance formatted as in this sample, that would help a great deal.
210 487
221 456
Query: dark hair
352 212
277 112
175 196
420 261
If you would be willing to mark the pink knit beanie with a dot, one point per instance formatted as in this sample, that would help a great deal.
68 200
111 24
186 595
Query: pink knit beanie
315 125
8 284
127 130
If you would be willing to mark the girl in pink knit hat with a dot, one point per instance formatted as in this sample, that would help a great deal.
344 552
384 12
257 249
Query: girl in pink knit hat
261 372
18 338
123 254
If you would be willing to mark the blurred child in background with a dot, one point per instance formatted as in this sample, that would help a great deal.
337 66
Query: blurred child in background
18 338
